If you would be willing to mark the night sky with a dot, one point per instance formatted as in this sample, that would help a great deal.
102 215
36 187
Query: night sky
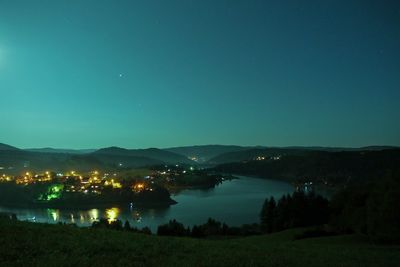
90 74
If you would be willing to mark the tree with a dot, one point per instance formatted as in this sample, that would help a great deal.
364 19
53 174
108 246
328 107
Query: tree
212 227
146 230
173 228
127 226
296 210
268 215
197 232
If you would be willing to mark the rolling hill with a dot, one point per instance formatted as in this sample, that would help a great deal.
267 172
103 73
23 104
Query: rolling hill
7 147
205 152
321 167
162 156
34 244
251 154
61 150
15 160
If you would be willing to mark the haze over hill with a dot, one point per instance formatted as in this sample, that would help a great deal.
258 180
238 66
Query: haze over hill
152 153
203 153
7 147
61 150
252 153
16 159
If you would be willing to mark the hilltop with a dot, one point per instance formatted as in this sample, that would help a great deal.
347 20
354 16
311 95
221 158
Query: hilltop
247 154
112 158
61 150
151 153
204 153
7 147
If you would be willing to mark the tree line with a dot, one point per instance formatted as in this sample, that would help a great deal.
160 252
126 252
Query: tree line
371 209
297 210
211 228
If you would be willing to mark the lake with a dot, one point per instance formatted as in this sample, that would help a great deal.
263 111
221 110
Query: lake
234 202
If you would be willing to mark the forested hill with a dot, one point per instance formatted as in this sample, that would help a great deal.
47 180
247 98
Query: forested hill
17 160
7 147
204 153
255 152
318 166
151 153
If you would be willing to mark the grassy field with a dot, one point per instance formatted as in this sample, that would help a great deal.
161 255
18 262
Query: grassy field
29 244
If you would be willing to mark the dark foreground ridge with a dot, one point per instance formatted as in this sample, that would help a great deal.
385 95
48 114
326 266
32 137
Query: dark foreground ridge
34 244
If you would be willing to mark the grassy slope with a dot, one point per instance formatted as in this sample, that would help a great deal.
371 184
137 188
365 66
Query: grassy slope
31 244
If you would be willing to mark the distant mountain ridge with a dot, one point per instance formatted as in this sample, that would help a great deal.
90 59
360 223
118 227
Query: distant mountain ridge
61 150
322 167
7 147
153 153
250 154
13 158
203 153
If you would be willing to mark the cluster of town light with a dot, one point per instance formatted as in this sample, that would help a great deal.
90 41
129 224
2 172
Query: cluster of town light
113 183
94 183
5 178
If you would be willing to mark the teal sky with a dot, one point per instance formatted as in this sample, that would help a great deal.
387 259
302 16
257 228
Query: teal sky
89 74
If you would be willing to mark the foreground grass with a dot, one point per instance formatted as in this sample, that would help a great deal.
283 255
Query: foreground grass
29 244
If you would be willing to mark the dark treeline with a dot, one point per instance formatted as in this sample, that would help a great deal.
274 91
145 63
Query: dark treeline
296 210
174 228
369 208
210 228
372 208
331 168
117 225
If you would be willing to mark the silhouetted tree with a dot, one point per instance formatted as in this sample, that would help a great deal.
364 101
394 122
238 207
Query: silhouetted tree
146 230
371 209
172 228
127 226
197 232
268 215
296 210
225 229
212 227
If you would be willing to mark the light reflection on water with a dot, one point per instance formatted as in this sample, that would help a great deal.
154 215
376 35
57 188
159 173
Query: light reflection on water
112 214
54 214
235 202
94 214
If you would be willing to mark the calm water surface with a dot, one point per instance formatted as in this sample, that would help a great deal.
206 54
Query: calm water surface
234 202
